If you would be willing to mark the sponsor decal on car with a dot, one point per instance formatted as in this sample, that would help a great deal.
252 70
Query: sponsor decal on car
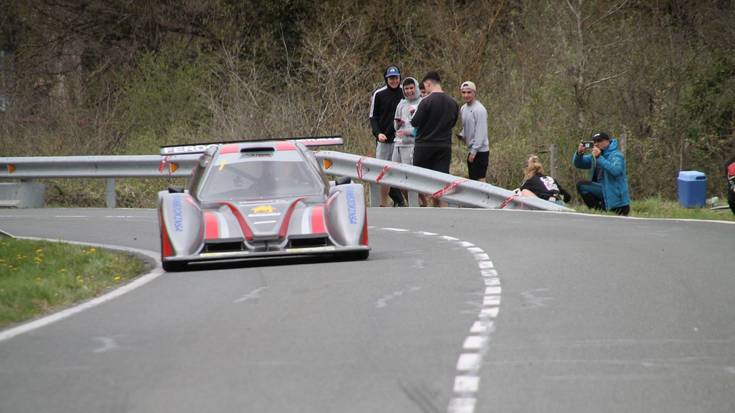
224 254
173 150
351 206
178 215
262 209
311 249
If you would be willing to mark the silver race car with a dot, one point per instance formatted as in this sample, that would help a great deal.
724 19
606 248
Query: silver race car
260 199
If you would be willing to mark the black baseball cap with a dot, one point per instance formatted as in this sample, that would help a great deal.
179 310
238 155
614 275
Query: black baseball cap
600 136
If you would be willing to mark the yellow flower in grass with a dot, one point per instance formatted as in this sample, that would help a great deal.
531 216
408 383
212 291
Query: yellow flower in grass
117 278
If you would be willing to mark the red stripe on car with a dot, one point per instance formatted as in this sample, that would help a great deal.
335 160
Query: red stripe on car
317 220
287 218
166 249
211 227
231 148
243 224
364 238
285 146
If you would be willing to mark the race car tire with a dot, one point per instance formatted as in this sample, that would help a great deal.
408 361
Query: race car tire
173 266
359 255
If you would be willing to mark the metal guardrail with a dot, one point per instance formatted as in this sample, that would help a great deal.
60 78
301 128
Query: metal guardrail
123 166
30 194
440 185
447 187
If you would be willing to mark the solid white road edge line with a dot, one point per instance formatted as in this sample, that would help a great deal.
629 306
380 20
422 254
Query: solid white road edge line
52 318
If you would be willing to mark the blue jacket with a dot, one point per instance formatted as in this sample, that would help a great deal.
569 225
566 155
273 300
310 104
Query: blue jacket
613 176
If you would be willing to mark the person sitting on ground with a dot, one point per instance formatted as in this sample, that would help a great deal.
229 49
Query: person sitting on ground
607 188
537 184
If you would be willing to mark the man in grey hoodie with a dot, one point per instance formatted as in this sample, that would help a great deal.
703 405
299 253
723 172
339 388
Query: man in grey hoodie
405 132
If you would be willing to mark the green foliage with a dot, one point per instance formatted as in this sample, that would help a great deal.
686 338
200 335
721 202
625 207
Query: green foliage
39 277
658 207
709 100
163 100
127 77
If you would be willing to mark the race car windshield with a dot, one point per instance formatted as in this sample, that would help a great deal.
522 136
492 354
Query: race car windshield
264 178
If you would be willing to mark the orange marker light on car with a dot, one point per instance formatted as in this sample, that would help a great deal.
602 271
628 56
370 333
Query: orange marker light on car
173 167
11 168
327 163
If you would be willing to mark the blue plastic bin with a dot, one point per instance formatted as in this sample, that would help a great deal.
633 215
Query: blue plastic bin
692 189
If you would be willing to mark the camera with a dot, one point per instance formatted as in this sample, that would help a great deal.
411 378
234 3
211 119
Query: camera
587 144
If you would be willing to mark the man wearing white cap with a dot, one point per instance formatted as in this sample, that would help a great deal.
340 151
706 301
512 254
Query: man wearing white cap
474 132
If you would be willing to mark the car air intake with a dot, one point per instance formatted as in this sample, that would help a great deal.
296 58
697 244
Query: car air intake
224 245
258 149
308 242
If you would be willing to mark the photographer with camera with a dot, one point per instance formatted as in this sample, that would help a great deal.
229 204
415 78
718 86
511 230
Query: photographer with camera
607 187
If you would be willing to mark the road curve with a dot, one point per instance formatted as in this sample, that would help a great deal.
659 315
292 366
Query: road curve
597 314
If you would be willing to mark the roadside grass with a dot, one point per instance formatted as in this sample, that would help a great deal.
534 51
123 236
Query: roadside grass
663 208
38 277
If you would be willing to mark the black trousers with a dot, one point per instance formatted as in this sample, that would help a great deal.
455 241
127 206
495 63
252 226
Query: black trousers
397 197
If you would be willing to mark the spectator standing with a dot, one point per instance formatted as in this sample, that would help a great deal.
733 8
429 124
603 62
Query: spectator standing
607 188
434 119
474 132
405 132
383 104
537 184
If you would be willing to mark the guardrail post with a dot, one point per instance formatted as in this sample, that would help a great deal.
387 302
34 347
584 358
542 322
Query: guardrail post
374 195
552 160
413 199
110 198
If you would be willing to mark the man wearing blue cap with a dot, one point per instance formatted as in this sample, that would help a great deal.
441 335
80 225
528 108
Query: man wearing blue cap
382 111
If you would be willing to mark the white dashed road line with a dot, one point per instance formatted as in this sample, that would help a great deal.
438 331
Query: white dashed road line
475 345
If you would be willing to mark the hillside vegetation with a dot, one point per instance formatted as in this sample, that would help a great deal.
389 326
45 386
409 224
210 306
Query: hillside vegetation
124 77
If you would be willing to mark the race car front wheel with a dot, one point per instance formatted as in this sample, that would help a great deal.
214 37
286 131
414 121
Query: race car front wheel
173 266
358 255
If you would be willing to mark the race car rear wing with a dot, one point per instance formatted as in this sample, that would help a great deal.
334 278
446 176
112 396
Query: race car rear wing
310 141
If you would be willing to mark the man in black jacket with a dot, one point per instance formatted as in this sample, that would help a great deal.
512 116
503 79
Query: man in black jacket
382 112
434 119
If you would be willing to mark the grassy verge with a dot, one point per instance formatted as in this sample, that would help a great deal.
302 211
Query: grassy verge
38 277
663 208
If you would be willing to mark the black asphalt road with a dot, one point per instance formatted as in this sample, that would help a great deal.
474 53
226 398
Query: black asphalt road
597 314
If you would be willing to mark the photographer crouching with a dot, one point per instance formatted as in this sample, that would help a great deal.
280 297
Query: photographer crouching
607 187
